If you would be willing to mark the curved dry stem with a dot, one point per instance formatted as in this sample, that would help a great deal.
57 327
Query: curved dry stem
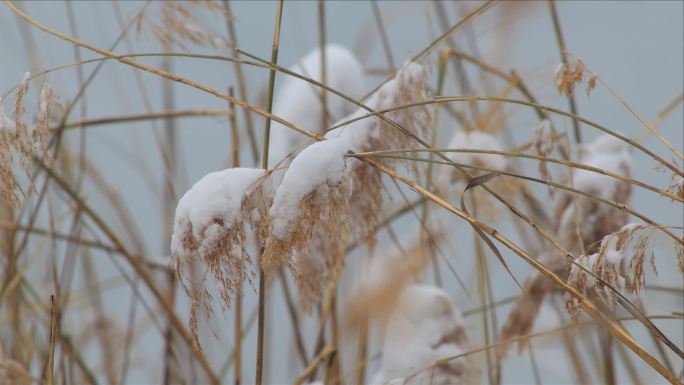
159 72
446 99
531 156
617 205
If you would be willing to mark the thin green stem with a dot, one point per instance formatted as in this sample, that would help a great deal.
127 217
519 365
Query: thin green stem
264 164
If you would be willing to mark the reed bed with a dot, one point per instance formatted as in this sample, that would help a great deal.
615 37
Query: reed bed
383 212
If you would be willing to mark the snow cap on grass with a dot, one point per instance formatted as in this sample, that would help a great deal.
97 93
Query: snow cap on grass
476 140
299 101
620 259
209 228
425 326
323 194
596 219
607 153
409 86
309 216
373 133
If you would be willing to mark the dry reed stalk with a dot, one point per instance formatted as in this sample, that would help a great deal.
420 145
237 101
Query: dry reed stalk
567 73
264 164
242 85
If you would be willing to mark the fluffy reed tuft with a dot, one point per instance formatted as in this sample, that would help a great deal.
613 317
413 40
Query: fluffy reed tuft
569 75
177 23
210 231
325 199
20 140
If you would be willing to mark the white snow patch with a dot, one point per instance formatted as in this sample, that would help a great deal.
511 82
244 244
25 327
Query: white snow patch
299 101
218 195
325 162
607 153
423 316
611 253
7 125
321 162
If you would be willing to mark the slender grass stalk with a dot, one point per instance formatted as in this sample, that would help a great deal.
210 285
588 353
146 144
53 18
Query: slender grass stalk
482 290
383 37
242 83
229 112
530 156
294 318
550 183
324 70
237 330
564 60
313 366
264 164
443 99
139 267
643 121
53 339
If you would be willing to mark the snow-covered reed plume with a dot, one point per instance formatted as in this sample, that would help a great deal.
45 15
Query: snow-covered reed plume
301 102
582 221
620 262
424 327
323 194
210 226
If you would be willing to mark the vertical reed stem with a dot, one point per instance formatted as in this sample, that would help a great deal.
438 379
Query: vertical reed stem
235 162
561 47
264 164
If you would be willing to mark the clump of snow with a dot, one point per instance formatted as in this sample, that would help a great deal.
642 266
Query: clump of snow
607 153
424 327
610 250
321 163
325 162
210 231
476 140
213 202
7 125
408 86
299 101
